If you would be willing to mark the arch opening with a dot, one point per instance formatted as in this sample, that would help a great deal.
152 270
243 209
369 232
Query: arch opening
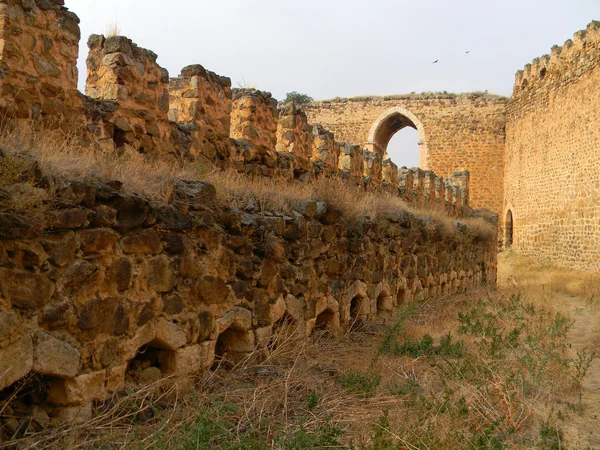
394 133
403 148
508 229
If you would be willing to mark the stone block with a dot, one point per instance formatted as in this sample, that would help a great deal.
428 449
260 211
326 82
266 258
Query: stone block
16 361
55 358
25 290
169 336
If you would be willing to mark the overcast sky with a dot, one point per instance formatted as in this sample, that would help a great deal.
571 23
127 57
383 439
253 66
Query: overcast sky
330 48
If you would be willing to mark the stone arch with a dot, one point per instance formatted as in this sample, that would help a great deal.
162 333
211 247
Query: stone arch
388 124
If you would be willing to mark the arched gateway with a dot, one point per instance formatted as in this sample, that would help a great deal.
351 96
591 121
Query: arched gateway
388 124
456 131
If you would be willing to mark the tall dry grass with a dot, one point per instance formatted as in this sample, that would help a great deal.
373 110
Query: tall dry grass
64 158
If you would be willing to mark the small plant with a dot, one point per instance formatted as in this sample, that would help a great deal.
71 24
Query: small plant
426 347
381 438
358 382
313 400
551 438
297 97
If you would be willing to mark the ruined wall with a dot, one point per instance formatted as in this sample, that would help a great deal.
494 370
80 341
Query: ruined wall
294 137
39 44
121 72
202 100
552 161
254 121
114 291
457 132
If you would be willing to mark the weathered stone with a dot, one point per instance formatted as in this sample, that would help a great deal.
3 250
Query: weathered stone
25 290
68 218
159 274
172 219
184 361
103 216
61 249
143 242
99 240
79 275
194 193
17 361
81 389
169 336
9 322
120 273
55 358
102 316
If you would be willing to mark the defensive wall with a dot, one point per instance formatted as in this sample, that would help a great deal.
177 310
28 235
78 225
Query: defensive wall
552 190
457 133
102 289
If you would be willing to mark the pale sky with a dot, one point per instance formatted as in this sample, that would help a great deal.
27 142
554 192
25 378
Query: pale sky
344 48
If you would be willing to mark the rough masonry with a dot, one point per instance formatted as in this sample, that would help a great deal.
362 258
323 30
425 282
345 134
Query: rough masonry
112 290
552 191
457 132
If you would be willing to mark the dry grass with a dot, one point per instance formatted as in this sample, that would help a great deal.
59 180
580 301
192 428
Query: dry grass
540 281
113 29
67 160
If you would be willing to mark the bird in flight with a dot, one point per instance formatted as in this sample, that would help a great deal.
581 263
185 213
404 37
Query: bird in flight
467 51
435 61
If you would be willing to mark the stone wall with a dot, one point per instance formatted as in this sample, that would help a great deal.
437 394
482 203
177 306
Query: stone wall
254 121
39 44
121 72
202 100
552 162
457 132
114 290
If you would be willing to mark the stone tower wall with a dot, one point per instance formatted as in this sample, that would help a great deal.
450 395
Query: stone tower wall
552 187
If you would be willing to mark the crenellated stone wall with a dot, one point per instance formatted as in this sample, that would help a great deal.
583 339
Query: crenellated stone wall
552 194
112 290
254 121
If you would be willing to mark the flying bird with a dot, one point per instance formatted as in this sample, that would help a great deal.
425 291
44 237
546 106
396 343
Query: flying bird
435 61
467 51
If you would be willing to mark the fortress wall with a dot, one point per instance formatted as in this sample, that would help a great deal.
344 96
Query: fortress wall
351 163
552 161
202 100
39 45
458 132
114 291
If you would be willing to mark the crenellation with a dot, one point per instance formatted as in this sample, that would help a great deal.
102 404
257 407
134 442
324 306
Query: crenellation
121 72
457 132
254 120
204 99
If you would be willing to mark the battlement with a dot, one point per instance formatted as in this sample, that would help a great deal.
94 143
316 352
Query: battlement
564 64
203 100
131 103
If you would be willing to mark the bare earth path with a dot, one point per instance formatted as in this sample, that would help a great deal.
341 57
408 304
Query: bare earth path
584 432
